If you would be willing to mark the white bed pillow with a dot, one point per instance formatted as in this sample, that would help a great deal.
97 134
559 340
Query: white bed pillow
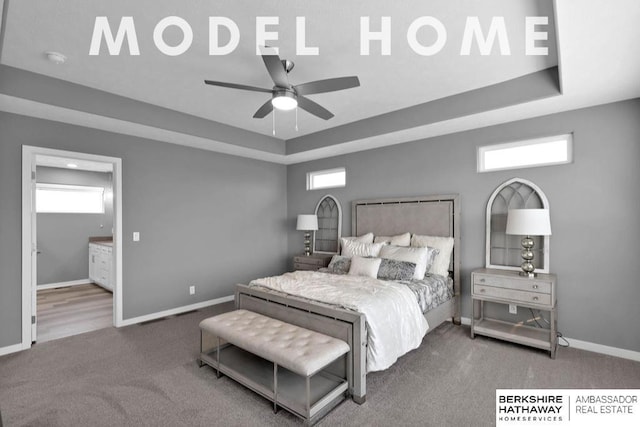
418 256
351 248
365 238
443 244
364 266
398 240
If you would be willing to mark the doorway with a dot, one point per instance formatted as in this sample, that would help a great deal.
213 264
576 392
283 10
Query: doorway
38 157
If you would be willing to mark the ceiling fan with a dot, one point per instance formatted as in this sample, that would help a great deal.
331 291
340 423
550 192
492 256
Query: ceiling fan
285 96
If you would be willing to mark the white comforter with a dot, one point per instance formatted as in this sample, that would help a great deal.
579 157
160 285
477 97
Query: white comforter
395 324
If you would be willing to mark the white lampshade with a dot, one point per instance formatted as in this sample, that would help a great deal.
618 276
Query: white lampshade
528 222
307 223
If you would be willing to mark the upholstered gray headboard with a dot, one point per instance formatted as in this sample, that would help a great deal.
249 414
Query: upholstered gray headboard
437 215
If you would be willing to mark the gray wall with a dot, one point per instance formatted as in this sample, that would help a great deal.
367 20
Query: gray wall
595 206
205 219
63 237
212 220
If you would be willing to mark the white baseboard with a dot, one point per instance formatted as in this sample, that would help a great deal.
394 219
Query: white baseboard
582 345
589 346
63 284
153 316
11 349
604 349
174 311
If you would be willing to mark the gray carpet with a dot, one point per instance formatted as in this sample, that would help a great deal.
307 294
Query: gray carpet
147 375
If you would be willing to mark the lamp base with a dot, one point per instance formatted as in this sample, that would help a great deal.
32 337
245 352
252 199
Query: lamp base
528 274
527 256
307 243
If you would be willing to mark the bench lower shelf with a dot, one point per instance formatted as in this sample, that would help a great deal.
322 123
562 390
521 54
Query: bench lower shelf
256 373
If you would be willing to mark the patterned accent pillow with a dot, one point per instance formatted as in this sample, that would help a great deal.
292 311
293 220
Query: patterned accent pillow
391 269
339 264
422 257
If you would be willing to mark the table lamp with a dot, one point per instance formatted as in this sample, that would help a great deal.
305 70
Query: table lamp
527 223
307 223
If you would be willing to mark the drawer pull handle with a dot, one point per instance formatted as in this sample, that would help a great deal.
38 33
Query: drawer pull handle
535 298
535 286
482 290
481 280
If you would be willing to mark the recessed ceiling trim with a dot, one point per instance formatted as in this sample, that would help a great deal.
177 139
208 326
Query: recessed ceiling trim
528 110
516 91
53 91
39 110
485 119
558 48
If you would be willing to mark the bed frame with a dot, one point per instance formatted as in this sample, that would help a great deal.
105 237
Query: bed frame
431 215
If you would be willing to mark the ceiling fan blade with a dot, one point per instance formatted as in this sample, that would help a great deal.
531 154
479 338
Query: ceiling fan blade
314 108
263 111
276 70
328 85
237 86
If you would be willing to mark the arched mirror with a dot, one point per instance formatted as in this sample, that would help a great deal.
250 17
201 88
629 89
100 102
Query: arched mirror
503 250
329 212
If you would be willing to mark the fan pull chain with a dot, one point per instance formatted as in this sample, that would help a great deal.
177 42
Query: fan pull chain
273 122
296 119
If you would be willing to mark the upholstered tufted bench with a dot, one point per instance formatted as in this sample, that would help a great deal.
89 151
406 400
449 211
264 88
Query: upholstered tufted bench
246 346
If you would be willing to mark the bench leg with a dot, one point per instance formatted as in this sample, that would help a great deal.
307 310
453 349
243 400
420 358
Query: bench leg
308 398
275 388
200 363
218 359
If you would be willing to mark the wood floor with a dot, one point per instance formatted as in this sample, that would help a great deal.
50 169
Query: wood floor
73 310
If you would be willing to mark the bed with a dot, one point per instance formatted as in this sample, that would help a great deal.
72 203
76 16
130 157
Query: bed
429 215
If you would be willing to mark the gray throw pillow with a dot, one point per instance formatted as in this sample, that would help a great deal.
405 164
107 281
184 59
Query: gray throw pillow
339 264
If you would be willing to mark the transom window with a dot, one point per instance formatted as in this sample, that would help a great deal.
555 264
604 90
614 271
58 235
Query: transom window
330 178
59 198
554 150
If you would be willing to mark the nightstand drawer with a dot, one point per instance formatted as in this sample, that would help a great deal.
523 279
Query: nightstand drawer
299 266
523 284
512 295
310 260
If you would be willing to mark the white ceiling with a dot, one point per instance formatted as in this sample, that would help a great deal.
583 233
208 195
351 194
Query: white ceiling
597 54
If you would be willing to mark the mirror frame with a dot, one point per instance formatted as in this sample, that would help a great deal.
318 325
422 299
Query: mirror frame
339 225
545 204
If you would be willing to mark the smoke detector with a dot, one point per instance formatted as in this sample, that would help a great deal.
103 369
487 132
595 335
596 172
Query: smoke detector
56 57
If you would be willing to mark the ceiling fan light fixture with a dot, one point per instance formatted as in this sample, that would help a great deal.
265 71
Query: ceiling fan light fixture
284 100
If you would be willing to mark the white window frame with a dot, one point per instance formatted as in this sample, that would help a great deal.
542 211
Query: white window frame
482 151
311 175
74 189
